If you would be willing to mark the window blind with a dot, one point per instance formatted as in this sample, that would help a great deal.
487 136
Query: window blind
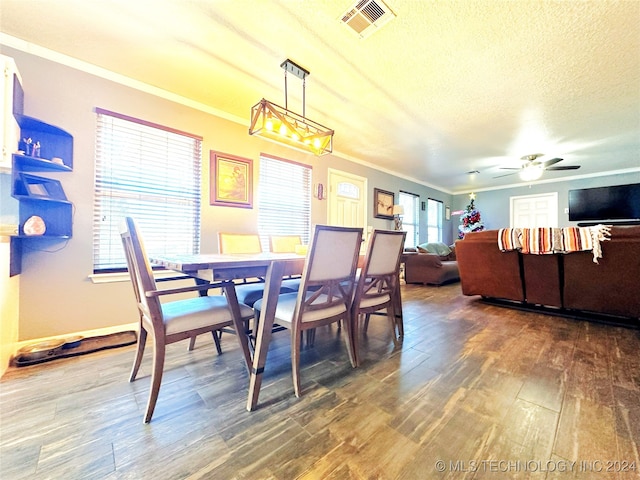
148 172
434 220
284 199
410 219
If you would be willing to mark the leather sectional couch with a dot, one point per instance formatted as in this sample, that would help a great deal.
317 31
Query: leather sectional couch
568 283
430 268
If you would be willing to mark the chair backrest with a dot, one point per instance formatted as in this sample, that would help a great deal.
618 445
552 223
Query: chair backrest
139 270
328 278
239 243
284 243
380 268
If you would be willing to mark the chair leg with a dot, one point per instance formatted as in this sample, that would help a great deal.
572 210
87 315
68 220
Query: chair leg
351 340
311 337
156 376
366 322
192 342
355 317
395 329
142 340
216 339
400 324
296 340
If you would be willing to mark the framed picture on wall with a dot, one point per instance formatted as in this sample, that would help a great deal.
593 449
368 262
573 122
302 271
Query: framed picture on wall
383 204
231 182
40 187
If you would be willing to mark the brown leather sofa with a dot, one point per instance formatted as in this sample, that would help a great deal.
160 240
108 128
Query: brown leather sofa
430 268
567 283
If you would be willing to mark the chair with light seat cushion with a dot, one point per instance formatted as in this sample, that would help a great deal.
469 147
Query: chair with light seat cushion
249 292
326 290
167 322
286 244
378 282
246 243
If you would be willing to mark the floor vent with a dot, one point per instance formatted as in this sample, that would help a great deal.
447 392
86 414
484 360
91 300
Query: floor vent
366 17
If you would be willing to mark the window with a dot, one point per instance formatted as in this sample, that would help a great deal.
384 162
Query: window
151 173
434 220
410 219
284 199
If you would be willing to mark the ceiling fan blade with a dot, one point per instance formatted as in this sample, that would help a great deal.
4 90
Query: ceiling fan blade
568 167
507 174
510 168
553 161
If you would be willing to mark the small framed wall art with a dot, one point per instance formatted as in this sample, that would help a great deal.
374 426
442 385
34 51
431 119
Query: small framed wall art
383 204
231 182
39 187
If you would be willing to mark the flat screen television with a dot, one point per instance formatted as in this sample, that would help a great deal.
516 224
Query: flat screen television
618 202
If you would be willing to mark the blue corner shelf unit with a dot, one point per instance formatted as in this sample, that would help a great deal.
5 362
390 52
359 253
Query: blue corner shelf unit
40 195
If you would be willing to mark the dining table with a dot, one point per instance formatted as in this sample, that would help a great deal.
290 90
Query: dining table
224 270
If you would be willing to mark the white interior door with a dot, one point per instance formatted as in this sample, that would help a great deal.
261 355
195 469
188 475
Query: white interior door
532 211
347 200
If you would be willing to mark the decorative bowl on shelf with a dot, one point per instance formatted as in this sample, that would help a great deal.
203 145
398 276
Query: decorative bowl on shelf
34 226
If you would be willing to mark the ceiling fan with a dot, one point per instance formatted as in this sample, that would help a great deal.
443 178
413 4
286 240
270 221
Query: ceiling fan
531 168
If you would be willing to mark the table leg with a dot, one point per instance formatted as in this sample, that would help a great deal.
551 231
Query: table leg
230 292
263 336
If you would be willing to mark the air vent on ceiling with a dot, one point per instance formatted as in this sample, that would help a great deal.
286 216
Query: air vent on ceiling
366 17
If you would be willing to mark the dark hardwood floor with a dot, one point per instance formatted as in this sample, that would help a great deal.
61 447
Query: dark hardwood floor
475 391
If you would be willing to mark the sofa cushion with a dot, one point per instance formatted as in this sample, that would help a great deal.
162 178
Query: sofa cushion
438 248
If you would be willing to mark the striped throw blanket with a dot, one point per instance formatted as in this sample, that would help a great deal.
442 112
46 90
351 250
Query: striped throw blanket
578 239
538 241
509 239
542 241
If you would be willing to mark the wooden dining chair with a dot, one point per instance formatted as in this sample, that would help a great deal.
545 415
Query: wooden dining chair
284 243
378 282
249 292
167 322
326 290
231 243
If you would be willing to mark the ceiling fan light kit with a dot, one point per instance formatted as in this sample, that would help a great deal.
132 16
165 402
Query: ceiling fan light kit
531 172
532 169
281 125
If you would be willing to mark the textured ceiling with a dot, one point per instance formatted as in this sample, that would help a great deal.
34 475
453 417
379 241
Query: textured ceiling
445 88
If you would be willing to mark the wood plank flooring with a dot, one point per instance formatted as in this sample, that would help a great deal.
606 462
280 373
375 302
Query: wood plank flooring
475 391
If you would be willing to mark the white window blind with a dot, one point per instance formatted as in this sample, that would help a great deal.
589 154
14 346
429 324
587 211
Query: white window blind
434 220
410 219
284 199
151 173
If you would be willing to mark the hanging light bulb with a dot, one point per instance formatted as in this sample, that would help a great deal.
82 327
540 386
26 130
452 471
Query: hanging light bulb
295 136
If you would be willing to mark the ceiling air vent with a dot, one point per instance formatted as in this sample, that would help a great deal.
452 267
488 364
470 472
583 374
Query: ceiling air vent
366 17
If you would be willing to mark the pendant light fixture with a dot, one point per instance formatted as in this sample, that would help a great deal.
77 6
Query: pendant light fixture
282 125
